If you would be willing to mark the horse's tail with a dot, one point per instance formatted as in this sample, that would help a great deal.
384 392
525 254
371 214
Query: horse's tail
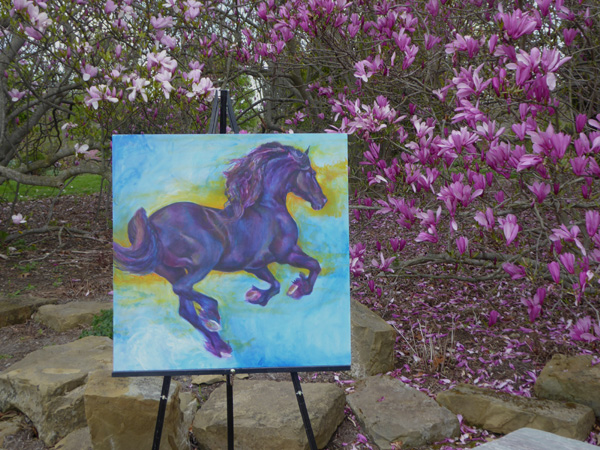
142 257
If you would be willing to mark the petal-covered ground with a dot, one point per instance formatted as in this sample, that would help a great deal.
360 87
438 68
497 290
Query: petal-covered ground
454 325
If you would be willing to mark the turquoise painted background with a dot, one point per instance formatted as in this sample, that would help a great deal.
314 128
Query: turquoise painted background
152 171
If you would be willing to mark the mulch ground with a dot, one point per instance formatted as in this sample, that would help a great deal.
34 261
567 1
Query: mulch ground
443 332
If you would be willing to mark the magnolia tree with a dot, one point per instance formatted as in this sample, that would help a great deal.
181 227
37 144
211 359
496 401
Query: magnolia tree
473 123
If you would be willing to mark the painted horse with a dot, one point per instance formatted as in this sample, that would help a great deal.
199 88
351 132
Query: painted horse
183 242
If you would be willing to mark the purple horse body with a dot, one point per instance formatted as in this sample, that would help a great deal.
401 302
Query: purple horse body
183 242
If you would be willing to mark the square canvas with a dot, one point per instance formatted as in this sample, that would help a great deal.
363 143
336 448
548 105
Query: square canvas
230 252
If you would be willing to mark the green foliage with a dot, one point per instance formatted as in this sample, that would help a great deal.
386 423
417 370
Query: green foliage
102 325
82 185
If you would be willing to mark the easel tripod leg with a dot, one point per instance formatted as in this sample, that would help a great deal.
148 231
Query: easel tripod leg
162 407
303 411
229 412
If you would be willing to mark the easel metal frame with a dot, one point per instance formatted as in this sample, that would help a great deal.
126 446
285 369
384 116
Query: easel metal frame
226 109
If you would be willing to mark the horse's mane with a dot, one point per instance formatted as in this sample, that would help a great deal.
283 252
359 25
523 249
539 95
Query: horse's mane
245 176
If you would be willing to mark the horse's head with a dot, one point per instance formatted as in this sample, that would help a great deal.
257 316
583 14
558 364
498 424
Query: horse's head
305 185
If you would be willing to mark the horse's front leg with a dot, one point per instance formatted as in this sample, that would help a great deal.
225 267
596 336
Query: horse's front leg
302 285
258 296
201 311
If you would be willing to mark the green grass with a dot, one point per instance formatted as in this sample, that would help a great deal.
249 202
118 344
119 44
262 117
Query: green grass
82 185
102 325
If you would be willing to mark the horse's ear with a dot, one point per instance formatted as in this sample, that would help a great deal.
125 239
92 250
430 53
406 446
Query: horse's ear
307 149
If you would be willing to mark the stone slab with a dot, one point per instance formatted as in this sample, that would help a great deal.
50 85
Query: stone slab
19 309
503 413
571 379
48 384
530 439
390 412
267 417
373 341
207 379
70 315
77 440
121 413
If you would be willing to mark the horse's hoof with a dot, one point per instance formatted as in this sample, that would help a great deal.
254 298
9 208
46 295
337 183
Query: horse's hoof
212 325
294 291
253 296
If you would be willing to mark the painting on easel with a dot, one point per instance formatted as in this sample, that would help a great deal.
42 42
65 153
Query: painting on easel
230 252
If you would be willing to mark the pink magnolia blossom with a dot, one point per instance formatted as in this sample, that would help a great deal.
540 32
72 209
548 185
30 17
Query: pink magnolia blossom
109 7
463 44
81 149
397 244
357 250
544 6
517 23
580 122
138 87
493 317
409 56
459 192
384 263
595 122
18 5
469 113
534 304
94 97
516 271
549 143
485 220
462 244
431 41
540 190
161 60
592 221
428 237
88 72
526 161
563 233
509 227
581 330
554 269
15 95
164 78
18 219
568 261
569 35
161 22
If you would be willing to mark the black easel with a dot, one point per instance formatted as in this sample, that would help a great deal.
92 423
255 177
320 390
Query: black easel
226 109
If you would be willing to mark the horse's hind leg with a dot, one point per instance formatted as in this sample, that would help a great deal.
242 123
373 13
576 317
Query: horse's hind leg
258 296
198 309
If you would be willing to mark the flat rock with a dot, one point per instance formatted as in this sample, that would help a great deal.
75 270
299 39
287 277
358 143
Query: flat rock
47 385
188 404
207 379
14 310
76 440
389 412
503 413
530 439
70 315
373 341
121 413
571 379
267 417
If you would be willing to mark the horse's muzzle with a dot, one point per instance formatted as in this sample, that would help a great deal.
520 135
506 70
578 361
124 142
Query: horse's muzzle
319 204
